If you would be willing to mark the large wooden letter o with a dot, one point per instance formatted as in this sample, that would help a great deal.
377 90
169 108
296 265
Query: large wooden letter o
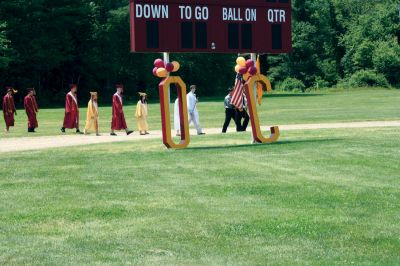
164 88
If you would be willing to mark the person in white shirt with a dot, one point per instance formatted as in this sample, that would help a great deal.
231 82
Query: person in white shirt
177 121
192 102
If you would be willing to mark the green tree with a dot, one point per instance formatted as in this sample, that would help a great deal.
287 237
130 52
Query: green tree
367 24
315 41
5 50
48 44
50 39
386 60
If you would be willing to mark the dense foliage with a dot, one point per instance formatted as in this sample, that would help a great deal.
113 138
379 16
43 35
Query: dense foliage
48 44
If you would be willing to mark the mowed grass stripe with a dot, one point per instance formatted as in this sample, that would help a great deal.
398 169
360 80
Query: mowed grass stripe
316 197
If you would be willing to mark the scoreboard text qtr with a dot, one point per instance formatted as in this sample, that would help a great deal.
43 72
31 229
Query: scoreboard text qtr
231 26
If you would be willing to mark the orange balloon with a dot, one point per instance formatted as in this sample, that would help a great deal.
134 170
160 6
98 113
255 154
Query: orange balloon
241 61
237 68
246 76
162 72
177 66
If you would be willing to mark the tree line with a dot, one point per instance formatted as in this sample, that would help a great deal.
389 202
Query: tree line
48 44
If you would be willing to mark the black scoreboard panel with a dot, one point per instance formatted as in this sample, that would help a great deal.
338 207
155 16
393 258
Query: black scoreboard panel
211 26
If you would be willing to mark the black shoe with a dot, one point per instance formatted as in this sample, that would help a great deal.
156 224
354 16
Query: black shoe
79 132
129 132
202 133
113 134
63 130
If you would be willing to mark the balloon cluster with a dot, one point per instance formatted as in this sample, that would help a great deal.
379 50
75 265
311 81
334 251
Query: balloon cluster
246 68
162 70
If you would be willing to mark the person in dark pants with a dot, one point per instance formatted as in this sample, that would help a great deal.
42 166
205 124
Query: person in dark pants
242 114
230 111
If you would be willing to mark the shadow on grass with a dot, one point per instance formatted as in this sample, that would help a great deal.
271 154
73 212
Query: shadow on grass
292 95
279 143
277 95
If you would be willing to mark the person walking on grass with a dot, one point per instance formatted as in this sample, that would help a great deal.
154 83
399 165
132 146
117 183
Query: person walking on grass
230 111
71 118
192 102
141 114
92 116
177 118
118 118
242 115
31 109
9 108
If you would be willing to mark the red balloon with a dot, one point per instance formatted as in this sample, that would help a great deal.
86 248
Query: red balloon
249 63
155 71
243 70
169 67
159 63
253 70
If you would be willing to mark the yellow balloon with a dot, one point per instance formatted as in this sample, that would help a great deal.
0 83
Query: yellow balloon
237 68
162 72
246 76
177 66
241 61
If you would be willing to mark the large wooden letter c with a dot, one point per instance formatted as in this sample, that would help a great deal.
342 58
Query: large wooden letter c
252 106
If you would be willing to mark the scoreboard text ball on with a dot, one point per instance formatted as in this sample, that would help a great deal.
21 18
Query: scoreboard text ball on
220 26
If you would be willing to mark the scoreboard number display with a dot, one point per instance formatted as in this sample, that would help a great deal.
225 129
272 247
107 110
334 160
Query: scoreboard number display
211 26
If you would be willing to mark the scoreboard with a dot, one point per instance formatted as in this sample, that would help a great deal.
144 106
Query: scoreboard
211 26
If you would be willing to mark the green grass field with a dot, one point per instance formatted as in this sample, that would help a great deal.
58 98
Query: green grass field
277 109
317 197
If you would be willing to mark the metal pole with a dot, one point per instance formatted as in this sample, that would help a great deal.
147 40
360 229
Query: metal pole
166 58
254 58
166 61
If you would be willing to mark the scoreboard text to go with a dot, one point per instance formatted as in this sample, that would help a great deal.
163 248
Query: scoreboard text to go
187 26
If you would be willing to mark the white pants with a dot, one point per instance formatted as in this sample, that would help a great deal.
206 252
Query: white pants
194 117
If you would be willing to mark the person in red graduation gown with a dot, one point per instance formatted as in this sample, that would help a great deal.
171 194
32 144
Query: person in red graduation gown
9 108
71 118
31 108
118 117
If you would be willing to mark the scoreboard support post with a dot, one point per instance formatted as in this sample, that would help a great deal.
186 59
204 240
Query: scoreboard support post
166 61
253 57
166 57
